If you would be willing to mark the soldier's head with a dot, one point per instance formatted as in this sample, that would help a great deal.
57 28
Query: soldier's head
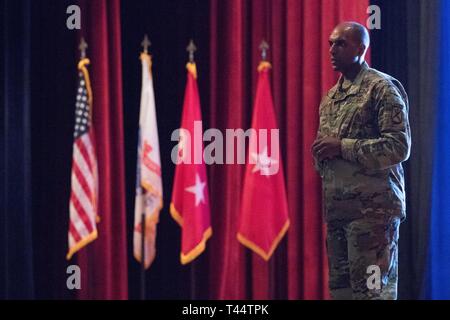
348 45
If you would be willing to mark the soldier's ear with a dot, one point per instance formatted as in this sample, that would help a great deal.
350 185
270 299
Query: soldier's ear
361 50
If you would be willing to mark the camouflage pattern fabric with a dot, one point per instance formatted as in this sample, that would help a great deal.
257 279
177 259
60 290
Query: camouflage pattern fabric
364 189
371 119
355 246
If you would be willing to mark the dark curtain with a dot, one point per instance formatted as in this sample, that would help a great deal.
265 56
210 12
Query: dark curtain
53 93
16 255
406 47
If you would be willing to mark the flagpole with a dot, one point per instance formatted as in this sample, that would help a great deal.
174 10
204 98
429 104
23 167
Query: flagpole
191 48
143 256
82 47
145 44
193 287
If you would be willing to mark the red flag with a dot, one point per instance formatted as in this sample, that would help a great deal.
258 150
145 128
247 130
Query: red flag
84 193
263 220
190 198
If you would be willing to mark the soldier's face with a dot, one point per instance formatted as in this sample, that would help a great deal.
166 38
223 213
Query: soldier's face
343 50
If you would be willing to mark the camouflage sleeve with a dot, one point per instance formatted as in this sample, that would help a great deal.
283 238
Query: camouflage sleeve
394 144
318 165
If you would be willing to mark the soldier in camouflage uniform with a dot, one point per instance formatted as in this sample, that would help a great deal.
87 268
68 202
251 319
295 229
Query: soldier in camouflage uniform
363 138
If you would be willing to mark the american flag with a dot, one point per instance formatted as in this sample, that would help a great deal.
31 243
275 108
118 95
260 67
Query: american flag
83 198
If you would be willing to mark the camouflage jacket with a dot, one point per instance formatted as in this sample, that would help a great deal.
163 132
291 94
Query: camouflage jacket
371 119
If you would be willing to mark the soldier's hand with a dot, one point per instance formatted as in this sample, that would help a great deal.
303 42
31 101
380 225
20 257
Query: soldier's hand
319 137
326 148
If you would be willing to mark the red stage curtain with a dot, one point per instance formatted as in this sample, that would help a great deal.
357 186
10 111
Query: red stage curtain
297 31
103 262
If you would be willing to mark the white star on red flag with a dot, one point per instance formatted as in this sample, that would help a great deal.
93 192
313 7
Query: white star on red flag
197 189
263 162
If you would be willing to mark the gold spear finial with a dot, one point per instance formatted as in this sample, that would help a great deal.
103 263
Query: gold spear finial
191 48
82 47
146 43
264 47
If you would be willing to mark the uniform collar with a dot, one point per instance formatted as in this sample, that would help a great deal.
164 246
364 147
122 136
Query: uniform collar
355 87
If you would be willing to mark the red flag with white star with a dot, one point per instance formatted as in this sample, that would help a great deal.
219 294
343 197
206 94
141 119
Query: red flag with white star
190 198
263 219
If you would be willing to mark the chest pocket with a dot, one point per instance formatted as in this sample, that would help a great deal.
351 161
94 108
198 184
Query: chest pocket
356 118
